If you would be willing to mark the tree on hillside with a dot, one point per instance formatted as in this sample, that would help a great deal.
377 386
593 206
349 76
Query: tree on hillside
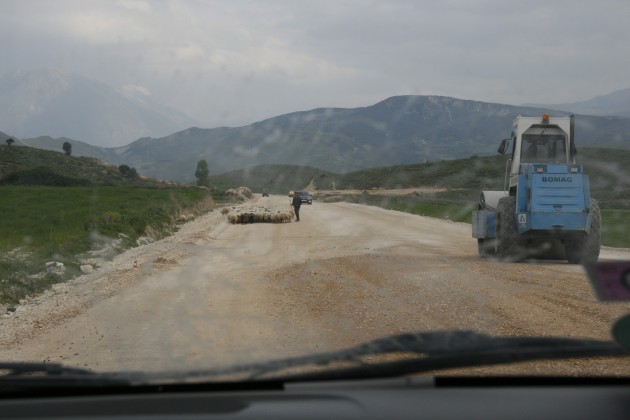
10 142
202 173
67 148
128 172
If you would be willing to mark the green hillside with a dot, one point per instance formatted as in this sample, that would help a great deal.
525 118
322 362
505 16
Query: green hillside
22 165
472 173
608 169
277 179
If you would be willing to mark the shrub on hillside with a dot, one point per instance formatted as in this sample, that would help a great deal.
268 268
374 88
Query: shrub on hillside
128 172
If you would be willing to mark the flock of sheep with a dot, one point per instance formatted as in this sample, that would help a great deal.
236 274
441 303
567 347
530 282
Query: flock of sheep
257 215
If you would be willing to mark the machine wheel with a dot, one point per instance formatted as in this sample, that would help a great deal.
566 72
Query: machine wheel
485 247
586 249
507 244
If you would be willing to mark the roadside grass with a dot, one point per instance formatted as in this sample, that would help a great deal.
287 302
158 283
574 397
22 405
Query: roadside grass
424 205
454 212
44 224
616 228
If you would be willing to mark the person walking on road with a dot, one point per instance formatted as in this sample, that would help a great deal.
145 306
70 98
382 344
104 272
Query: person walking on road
296 203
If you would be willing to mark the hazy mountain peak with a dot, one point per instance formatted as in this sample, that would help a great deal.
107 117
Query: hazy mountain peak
616 103
47 79
49 102
135 93
41 85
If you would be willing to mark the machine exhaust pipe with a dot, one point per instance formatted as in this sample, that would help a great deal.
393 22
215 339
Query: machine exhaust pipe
572 148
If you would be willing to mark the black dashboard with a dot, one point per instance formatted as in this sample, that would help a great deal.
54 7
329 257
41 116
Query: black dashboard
400 398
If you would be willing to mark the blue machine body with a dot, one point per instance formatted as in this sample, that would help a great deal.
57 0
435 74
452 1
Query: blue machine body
552 198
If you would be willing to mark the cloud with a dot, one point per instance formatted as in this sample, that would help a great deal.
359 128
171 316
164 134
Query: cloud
139 5
228 62
188 52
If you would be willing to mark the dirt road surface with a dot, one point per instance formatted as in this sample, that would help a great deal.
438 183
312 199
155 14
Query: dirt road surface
219 294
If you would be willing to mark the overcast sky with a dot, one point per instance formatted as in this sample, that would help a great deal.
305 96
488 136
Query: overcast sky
235 62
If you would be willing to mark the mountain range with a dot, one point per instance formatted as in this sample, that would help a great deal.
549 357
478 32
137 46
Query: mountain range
397 130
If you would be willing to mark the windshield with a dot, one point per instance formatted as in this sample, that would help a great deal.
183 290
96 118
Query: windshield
543 148
153 158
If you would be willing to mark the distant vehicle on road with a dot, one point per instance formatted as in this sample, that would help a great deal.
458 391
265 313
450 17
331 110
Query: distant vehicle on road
265 193
305 197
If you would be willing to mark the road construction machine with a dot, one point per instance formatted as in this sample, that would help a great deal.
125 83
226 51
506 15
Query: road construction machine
545 208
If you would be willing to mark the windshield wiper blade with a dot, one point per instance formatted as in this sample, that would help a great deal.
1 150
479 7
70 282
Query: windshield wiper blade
501 351
396 355
420 352
17 369
19 377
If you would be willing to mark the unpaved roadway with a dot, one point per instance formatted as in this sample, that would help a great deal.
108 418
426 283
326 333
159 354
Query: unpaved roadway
218 294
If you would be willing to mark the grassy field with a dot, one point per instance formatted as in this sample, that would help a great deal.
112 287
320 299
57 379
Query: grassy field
616 228
41 224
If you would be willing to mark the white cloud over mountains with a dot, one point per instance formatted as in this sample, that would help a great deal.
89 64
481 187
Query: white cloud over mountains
234 62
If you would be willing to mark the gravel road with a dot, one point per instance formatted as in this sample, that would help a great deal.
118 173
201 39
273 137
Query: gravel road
217 294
